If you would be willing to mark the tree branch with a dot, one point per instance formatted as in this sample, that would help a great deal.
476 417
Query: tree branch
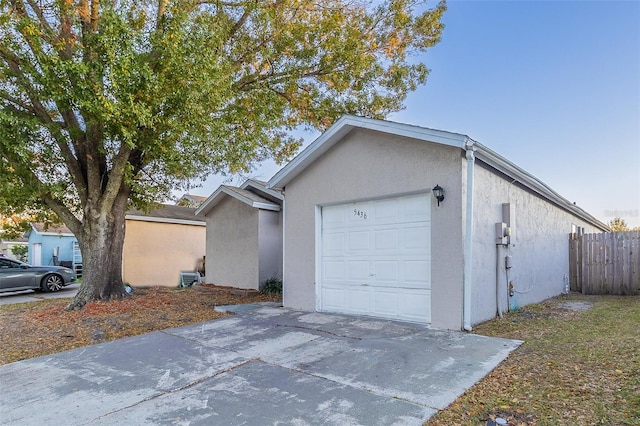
116 177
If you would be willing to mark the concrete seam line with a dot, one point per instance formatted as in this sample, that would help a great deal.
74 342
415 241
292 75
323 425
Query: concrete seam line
181 388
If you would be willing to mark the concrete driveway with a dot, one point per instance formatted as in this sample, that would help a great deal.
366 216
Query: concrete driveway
263 366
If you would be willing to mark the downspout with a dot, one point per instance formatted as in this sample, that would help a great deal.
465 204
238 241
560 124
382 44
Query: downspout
284 221
468 241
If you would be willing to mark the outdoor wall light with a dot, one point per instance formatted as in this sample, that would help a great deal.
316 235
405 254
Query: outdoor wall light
438 192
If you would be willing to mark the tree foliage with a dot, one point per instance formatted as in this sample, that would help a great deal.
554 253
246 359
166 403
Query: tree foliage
105 104
618 224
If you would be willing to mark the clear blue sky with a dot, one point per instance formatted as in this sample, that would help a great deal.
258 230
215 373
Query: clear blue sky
553 86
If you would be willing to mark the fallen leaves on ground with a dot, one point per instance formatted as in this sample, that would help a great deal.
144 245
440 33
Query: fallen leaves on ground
40 328
574 368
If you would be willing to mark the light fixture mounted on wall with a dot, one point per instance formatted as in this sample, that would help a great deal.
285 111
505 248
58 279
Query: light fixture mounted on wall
438 192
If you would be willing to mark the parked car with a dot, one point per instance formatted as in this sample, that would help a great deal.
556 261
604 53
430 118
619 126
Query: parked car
16 276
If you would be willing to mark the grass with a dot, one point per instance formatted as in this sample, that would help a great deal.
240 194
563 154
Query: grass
575 367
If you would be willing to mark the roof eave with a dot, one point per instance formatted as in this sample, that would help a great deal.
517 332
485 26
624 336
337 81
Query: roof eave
534 184
223 191
164 220
253 184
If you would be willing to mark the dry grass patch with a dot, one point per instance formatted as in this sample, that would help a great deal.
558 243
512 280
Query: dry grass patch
576 367
40 328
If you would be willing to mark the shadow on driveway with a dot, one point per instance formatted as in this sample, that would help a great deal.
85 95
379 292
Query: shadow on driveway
269 365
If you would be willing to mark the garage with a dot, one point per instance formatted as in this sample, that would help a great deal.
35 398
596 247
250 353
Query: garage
375 258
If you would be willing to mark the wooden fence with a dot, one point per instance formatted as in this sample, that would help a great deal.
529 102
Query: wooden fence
607 263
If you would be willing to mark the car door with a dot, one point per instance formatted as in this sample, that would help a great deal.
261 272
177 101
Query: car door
15 275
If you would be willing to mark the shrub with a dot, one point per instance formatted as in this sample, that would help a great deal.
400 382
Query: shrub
272 285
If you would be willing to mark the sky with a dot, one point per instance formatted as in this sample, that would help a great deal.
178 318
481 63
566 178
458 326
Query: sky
553 86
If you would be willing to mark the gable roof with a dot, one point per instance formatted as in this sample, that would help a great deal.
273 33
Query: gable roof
56 230
347 123
190 200
167 214
164 214
241 194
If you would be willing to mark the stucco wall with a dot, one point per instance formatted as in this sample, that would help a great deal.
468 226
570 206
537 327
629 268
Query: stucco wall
49 243
366 165
270 245
155 253
232 245
539 245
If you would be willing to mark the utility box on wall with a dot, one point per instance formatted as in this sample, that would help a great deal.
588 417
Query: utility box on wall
509 217
501 234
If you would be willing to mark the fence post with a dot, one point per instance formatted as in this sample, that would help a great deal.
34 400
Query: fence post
573 262
634 262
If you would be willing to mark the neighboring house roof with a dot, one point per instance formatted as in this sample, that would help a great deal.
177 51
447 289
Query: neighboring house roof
58 230
167 214
245 195
347 123
191 199
16 241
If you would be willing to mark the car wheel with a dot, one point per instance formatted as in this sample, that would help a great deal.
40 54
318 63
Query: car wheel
52 283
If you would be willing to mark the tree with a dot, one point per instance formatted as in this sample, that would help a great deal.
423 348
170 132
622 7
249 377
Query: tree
618 224
15 225
106 105
20 252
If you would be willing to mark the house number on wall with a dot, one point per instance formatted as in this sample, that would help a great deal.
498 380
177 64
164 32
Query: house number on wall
359 213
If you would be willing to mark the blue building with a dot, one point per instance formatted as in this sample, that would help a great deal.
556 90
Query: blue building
53 246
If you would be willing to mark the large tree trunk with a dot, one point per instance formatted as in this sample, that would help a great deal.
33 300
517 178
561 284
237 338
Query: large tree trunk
101 244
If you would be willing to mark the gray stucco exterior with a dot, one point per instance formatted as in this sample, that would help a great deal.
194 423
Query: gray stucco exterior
244 237
360 159
367 165
538 247
232 245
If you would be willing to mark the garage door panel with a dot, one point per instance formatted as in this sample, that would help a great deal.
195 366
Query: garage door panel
333 299
386 211
334 269
377 258
358 300
358 214
386 303
333 243
359 241
359 270
333 216
386 271
385 239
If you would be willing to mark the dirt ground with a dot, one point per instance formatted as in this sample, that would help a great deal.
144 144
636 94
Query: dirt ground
40 328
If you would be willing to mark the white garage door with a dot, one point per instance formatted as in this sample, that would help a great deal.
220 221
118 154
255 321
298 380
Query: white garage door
376 258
